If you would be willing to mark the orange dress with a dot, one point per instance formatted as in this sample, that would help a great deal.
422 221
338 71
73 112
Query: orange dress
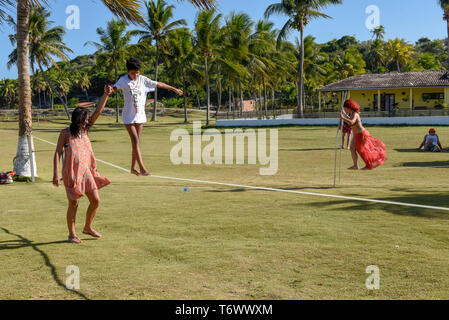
79 169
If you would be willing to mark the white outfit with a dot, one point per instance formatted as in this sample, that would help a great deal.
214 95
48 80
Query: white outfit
135 95
433 138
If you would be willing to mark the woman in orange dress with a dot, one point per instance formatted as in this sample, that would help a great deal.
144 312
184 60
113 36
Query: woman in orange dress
370 149
79 169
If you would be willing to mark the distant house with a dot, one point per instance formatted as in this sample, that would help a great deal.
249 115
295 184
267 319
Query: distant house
418 90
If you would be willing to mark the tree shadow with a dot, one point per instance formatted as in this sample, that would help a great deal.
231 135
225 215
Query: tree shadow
437 200
425 164
307 150
416 150
24 242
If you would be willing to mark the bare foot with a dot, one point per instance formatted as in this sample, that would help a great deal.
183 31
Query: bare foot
74 239
145 173
353 168
134 171
92 233
349 148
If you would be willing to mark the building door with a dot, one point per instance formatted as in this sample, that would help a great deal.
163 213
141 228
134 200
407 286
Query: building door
387 102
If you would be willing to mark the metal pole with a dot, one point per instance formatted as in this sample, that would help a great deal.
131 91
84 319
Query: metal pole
343 98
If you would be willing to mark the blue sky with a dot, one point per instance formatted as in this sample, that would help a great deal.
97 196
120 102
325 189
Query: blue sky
408 19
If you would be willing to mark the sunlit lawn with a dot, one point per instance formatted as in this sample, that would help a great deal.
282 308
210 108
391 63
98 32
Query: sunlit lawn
218 242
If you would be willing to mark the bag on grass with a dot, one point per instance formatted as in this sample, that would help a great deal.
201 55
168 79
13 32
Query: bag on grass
6 177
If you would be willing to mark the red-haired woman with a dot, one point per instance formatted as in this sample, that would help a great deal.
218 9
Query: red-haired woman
370 149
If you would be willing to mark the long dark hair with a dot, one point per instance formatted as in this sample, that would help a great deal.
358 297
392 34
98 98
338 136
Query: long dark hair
79 117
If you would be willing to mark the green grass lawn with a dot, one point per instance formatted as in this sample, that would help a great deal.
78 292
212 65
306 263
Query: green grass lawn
219 242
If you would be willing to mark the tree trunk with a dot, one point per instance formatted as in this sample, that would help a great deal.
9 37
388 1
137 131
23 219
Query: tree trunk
39 96
219 96
230 98
24 162
301 73
87 95
53 90
156 70
197 97
272 99
207 89
45 98
241 97
185 97
265 103
398 65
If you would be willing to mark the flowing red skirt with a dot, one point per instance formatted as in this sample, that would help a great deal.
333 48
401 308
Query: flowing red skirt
370 149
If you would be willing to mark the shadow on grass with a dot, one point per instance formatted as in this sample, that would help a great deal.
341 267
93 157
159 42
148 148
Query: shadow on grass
415 150
428 164
24 242
437 200
307 150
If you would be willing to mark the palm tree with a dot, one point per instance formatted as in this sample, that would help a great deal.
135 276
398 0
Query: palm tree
399 51
112 50
263 57
8 90
45 42
207 29
445 6
237 41
127 10
181 56
84 84
157 27
378 33
299 13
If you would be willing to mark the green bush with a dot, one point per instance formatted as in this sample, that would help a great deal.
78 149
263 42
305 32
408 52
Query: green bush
58 106
74 102
173 102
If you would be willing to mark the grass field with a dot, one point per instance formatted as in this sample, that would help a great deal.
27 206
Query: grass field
220 242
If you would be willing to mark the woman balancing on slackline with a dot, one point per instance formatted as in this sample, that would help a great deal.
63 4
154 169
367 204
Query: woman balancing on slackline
370 149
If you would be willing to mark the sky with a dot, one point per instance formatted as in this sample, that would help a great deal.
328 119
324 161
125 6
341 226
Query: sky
407 19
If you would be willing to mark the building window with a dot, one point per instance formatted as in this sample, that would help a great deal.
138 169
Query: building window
433 96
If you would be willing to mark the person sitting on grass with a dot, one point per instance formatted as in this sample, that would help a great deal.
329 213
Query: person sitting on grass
79 169
431 142
135 88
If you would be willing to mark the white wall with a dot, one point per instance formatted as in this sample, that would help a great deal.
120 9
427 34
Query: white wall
431 121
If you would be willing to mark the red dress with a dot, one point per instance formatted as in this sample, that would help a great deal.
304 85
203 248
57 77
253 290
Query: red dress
370 149
79 170
347 129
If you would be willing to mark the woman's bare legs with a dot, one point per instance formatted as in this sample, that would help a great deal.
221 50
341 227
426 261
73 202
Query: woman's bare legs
135 131
71 218
94 199
354 155
343 140
349 139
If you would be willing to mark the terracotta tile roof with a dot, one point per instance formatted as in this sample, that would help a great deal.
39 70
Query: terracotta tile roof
415 79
